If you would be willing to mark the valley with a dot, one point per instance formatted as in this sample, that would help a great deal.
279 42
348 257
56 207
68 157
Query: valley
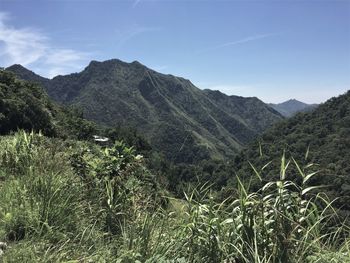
143 131
120 185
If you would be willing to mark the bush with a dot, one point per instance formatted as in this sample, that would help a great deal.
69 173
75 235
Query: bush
117 179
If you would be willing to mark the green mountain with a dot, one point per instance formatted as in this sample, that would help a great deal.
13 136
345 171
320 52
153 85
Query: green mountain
24 105
324 134
185 123
291 107
73 200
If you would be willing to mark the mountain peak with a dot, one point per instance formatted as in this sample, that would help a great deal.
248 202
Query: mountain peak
170 111
290 107
16 66
25 74
135 62
114 62
293 101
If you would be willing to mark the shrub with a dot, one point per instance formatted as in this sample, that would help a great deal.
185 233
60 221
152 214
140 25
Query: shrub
118 181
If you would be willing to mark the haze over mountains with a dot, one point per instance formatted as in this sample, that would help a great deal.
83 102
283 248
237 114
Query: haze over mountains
291 107
185 123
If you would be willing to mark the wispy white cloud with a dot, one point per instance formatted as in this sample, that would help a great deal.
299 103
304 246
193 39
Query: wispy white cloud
237 42
244 40
20 45
136 2
30 47
65 61
126 34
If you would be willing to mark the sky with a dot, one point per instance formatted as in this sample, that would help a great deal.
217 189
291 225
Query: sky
273 50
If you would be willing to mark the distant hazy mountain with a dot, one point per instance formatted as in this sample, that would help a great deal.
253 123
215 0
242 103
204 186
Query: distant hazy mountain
180 120
291 107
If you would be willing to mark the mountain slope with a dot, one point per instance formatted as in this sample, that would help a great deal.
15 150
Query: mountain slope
26 74
324 133
182 121
291 107
24 105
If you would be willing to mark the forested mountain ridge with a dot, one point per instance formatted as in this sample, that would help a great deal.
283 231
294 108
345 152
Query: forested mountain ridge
185 123
25 105
291 107
248 109
323 133
26 74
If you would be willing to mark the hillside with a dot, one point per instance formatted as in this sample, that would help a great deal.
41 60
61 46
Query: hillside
291 107
72 201
180 120
25 105
76 202
324 131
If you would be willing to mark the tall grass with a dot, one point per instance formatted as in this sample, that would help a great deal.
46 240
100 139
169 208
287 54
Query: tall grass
40 194
86 204
281 222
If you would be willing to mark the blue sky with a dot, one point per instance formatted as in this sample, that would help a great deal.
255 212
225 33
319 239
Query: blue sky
274 50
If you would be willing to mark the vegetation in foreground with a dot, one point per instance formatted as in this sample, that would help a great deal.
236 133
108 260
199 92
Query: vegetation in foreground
63 201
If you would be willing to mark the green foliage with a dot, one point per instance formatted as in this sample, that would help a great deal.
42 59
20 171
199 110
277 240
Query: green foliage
281 222
71 124
24 105
323 134
130 136
119 181
217 172
63 201
42 200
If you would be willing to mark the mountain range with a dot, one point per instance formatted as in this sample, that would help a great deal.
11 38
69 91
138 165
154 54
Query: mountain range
185 123
291 107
